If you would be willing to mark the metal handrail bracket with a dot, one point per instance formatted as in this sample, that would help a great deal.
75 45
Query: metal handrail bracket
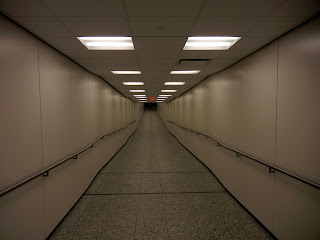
45 172
271 167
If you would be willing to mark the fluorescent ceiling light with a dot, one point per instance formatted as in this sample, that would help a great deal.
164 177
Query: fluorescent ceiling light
166 90
126 72
165 95
137 90
143 101
107 43
133 83
210 43
142 98
139 95
174 83
185 72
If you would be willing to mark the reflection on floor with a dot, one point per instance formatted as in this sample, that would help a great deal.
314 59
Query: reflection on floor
155 189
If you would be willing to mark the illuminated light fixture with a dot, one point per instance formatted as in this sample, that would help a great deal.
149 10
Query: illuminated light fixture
140 95
185 72
166 90
174 83
141 98
137 90
126 72
210 43
165 95
133 83
107 43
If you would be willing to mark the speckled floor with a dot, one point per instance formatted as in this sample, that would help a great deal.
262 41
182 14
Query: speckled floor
155 189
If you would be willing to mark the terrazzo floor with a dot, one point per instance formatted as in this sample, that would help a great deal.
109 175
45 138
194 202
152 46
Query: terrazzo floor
155 189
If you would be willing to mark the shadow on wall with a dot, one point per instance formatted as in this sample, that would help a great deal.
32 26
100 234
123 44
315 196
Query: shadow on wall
150 106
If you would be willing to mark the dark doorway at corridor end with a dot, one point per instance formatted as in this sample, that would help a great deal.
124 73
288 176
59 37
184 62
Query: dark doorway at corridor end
150 106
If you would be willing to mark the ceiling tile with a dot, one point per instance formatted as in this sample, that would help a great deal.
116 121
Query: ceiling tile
118 63
216 63
158 61
155 68
163 8
165 26
273 26
251 43
201 54
65 43
231 8
223 26
238 53
45 26
159 42
99 54
19 8
97 26
158 53
297 8
182 68
77 8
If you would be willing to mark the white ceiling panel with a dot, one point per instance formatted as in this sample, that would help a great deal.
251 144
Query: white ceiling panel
159 30
201 54
215 63
45 26
297 8
274 26
251 42
156 26
163 7
65 43
159 42
158 53
223 26
97 26
158 61
19 8
231 8
85 8
182 68
100 54
238 53
109 61
155 68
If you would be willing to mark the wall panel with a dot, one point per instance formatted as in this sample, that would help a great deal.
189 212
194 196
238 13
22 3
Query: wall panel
50 108
267 105
258 105
20 121
56 104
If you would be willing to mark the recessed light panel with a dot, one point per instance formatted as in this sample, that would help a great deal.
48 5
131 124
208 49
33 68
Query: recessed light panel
126 72
174 83
139 95
107 43
137 90
133 83
165 95
210 43
167 90
185 72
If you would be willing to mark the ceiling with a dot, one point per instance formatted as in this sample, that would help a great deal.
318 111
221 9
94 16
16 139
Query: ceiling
159 29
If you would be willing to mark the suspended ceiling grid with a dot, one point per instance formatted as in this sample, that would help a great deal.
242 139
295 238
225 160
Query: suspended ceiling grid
159 30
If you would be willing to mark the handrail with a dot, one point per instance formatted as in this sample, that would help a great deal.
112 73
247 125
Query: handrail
45 172
272 168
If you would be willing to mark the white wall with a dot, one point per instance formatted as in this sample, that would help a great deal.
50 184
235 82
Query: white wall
50 109
267 106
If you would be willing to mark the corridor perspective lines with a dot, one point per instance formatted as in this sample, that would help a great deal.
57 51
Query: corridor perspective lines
153 188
